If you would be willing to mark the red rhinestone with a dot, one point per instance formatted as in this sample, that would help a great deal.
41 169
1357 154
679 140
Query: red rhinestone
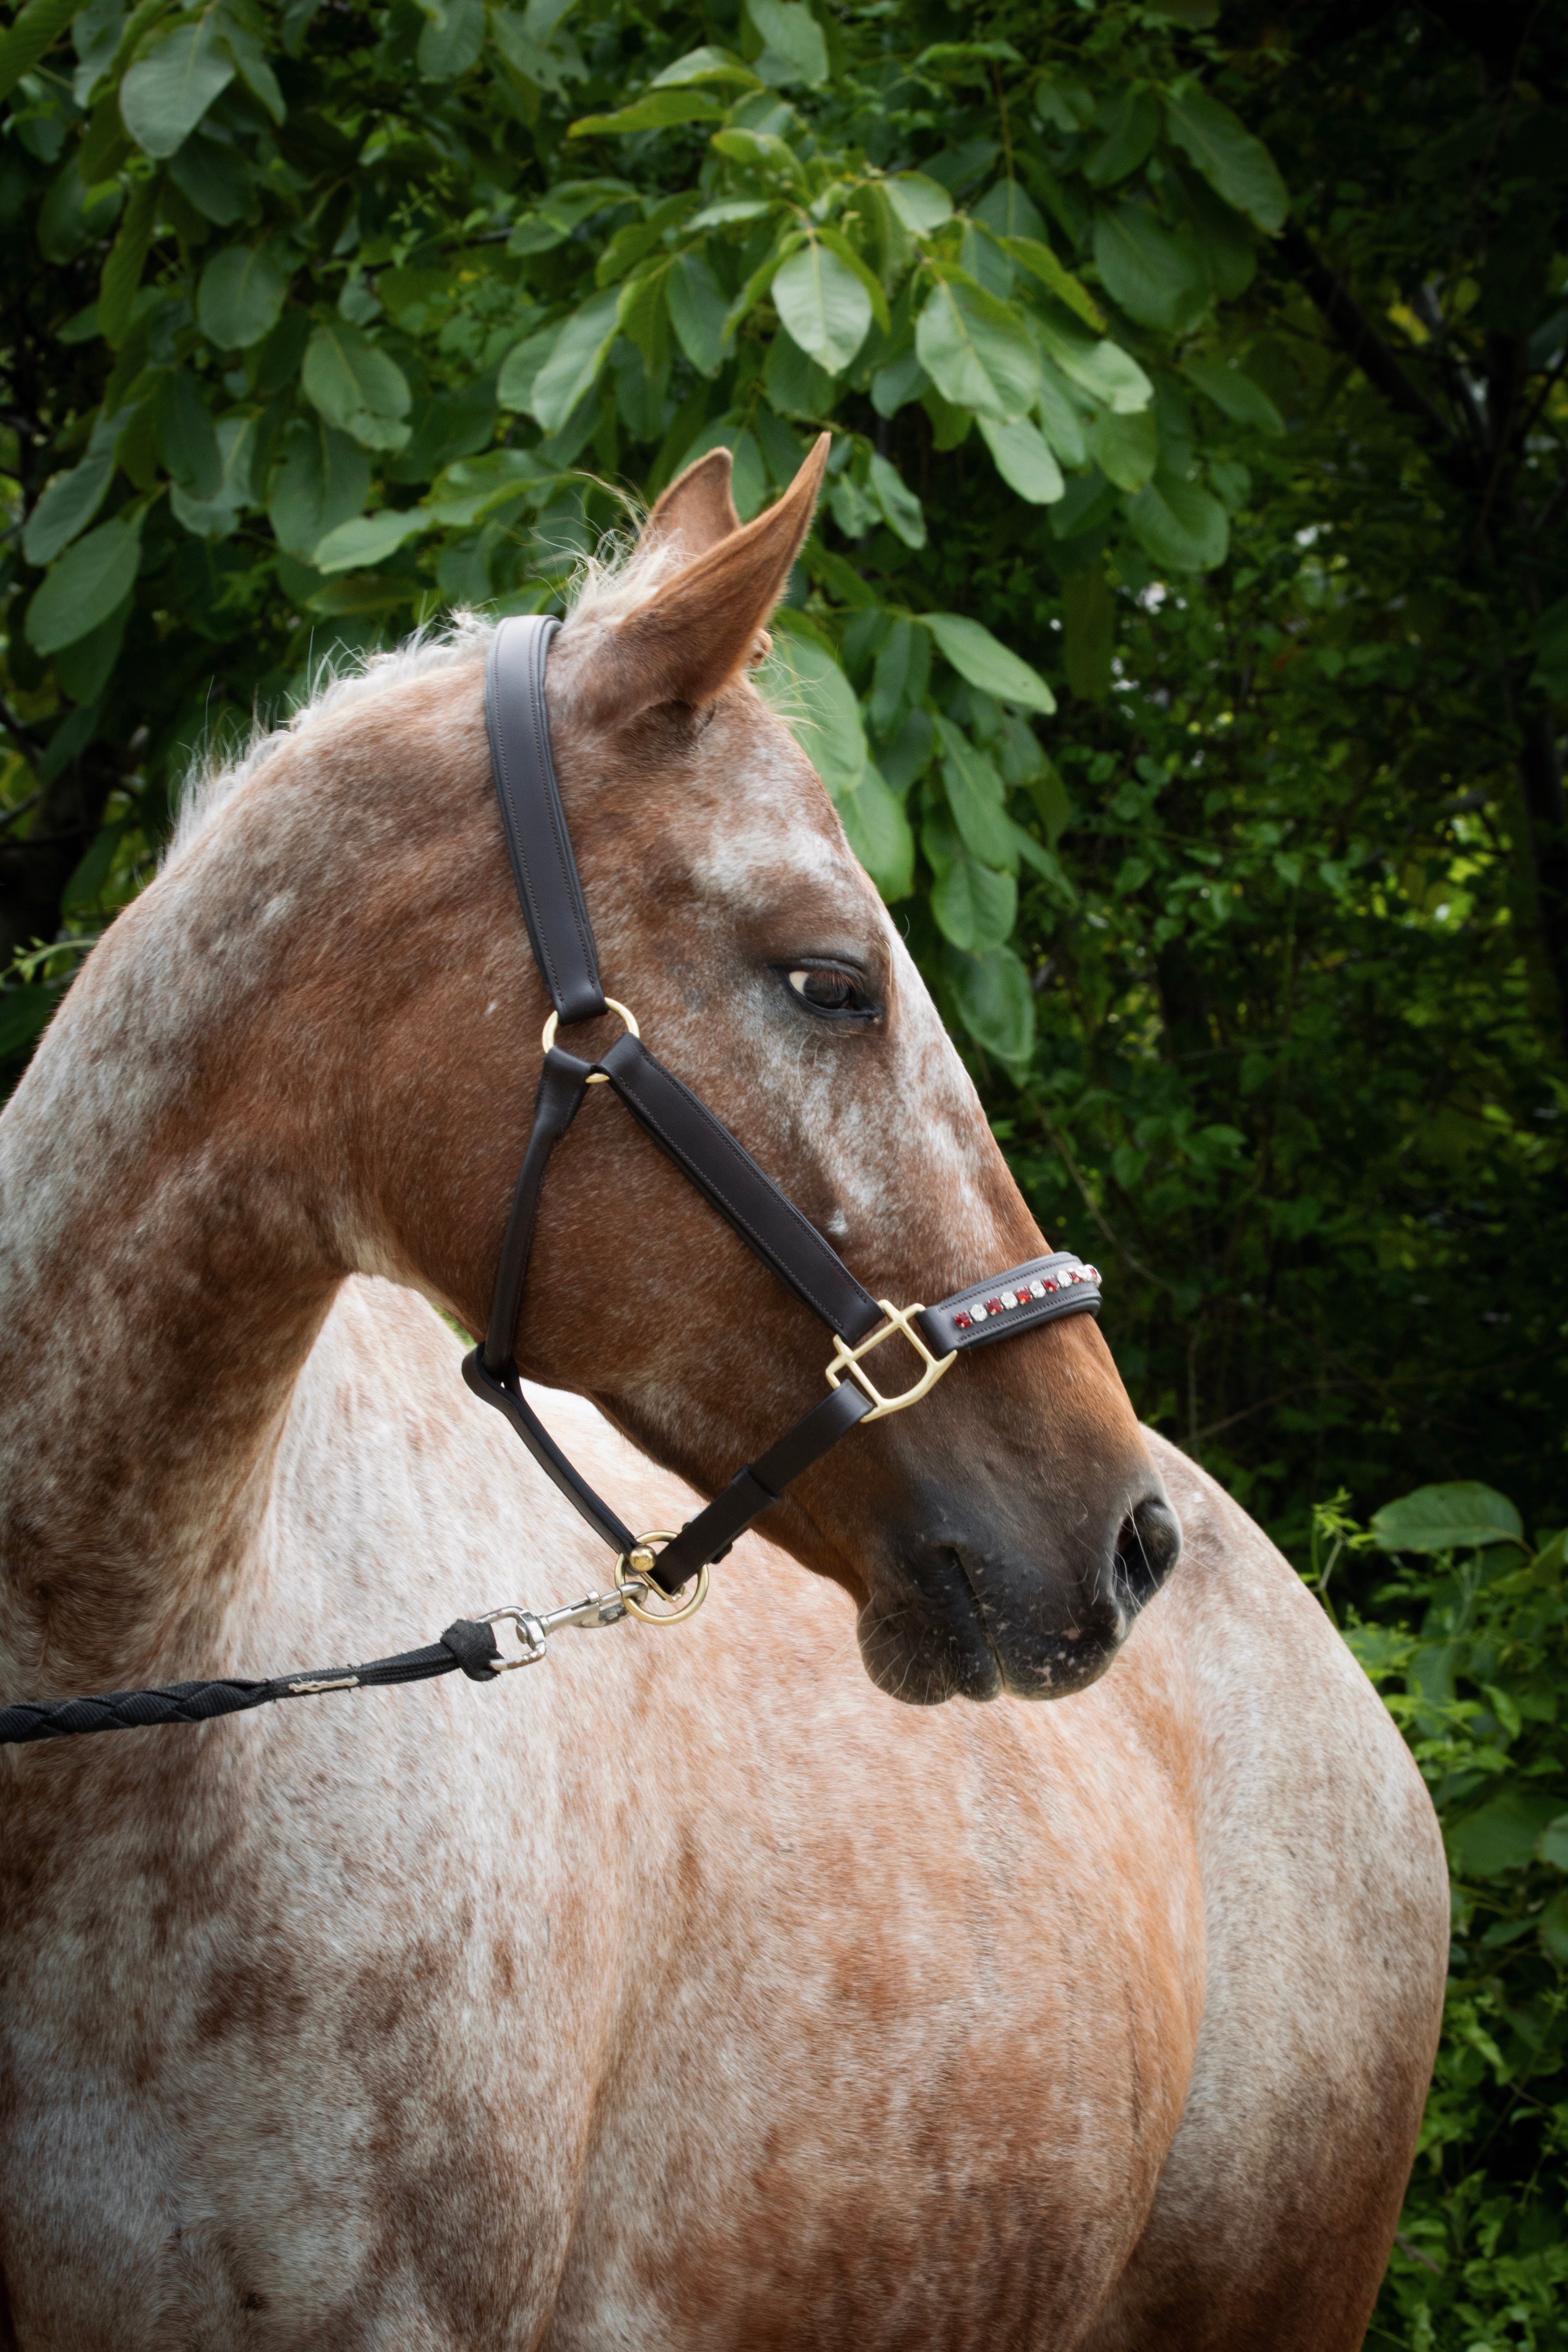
994 1307
1050 1286
964 1322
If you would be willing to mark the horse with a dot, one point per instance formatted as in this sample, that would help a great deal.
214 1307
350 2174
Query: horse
713 1988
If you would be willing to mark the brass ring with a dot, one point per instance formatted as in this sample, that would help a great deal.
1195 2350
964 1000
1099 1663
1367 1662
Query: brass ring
651 1616
598 1078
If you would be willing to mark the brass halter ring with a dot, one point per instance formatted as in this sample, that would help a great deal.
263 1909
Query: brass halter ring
598 1078
635 1567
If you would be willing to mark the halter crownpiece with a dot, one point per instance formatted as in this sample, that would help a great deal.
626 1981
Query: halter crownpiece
703 1149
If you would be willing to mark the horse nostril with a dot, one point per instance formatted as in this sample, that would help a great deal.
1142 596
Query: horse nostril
1147 1543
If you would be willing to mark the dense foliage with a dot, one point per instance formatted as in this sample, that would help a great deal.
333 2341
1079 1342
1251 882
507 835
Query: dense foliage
1468 1644
1184 640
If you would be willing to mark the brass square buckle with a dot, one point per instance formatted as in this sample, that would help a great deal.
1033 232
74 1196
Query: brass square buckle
847 1359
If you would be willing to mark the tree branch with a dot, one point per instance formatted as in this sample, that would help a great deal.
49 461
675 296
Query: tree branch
1359 341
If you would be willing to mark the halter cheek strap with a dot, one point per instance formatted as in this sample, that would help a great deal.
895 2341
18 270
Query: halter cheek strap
703 1149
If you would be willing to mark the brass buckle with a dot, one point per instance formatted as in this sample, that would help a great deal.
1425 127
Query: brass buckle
847 1359
598 1078
634 1573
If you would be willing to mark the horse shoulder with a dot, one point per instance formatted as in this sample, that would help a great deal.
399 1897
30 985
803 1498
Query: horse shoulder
1325 1901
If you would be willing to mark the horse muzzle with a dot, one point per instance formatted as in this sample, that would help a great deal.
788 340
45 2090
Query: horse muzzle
969 1607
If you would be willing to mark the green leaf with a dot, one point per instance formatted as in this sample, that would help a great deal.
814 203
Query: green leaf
923 205
1455 1517
765 152
1126 448
520 367
974 907
187 441
1158 279
902 510
895 385
1040 262
878 833
85 587
796 50
474 487
1503 1835
1059 420
1008 210
451 40
66 507
240 296
977 797
976 655
215 178
366 541
356 385
658 110
976 350
1088 637
823 305
1103 369
1223 239
1236 395
706 63
122 274
1552 1844
1179 524
1237 166
795 385
165 95
574 365
1023 460
27 37
817 704
254 71
1052 806
907 755
1553 1929
996 1002
838 243
903 666
698 312
323 480
217 514
1130 132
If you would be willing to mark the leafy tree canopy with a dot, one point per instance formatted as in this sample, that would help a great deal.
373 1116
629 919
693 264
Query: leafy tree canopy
1183 641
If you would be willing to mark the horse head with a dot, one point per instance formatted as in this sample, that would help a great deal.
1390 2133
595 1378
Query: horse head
1002 1535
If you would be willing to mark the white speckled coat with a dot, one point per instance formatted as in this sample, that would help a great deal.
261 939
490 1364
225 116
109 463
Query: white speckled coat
685 1991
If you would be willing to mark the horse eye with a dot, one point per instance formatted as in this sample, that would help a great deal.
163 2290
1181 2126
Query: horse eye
829 991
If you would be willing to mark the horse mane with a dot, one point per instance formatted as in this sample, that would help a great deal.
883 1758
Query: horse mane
605 586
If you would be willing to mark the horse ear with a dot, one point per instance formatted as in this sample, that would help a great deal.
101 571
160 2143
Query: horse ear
692 636
696 510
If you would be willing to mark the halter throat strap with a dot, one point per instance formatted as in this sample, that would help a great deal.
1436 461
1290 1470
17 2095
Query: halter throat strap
562 937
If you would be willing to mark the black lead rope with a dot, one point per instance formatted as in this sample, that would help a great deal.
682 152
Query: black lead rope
468 1645
702 1148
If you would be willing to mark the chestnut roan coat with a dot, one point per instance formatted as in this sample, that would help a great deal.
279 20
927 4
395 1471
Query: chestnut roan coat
685 1993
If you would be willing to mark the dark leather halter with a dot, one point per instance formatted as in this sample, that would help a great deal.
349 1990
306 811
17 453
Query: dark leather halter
769 1223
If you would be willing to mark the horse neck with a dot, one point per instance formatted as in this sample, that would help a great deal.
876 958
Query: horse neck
177 1208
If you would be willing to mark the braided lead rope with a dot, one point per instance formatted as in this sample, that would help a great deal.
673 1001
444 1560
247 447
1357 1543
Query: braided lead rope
468 1644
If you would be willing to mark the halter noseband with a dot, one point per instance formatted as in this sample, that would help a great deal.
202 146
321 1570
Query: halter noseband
703 1149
